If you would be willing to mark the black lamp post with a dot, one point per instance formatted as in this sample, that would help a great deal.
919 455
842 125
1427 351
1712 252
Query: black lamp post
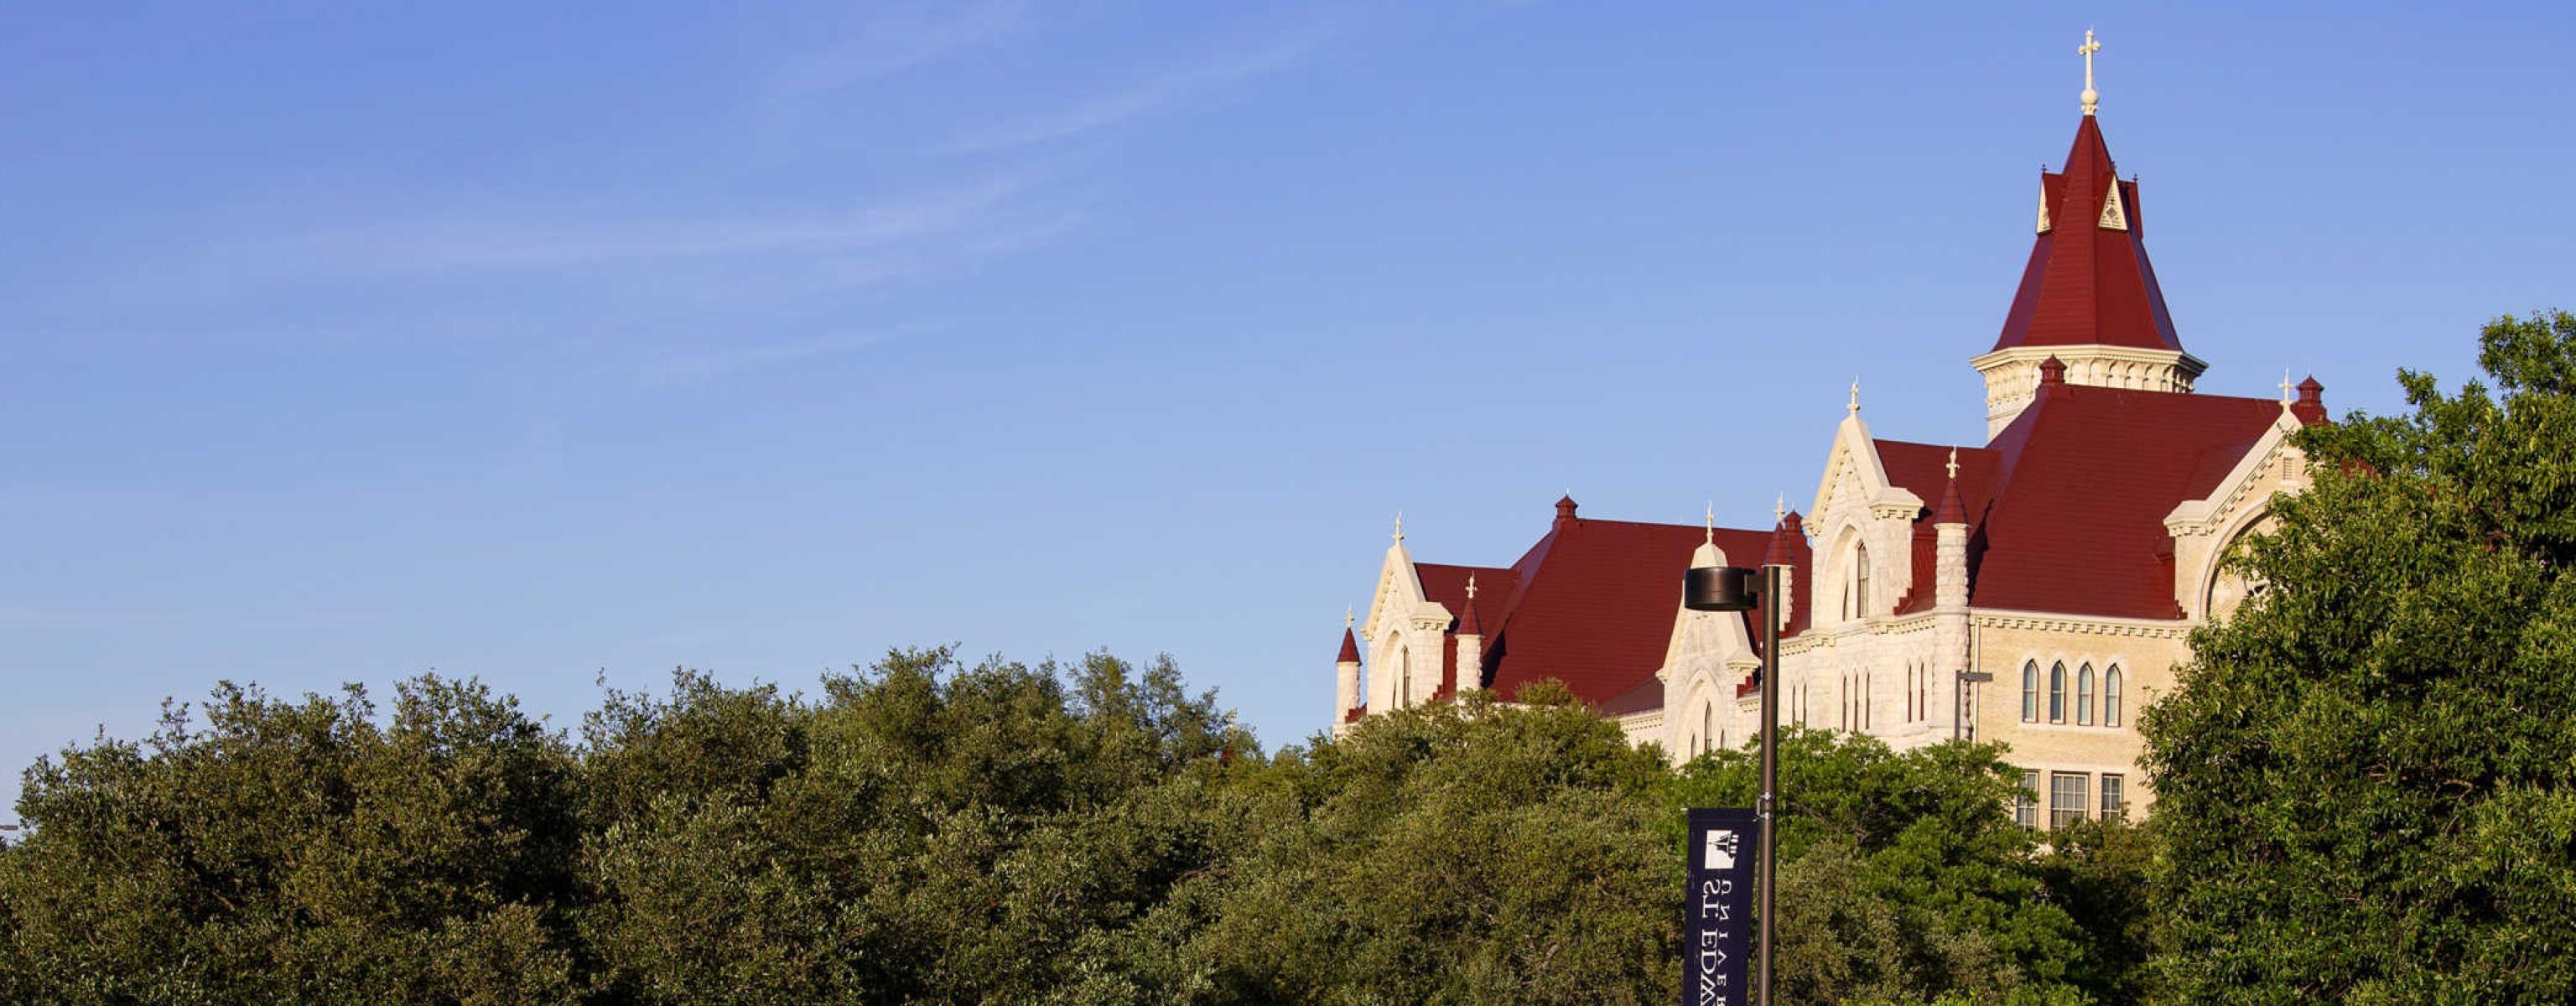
1741 588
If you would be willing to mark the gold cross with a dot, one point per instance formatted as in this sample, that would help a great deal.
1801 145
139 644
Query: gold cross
2091 97
1471 586
1953 466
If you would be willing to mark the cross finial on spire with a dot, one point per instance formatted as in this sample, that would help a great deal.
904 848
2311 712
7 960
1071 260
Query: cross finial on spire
1399 526
1712 523
2091 97
1854 407
1471 586
1953 466
1349 616
1780 508
2286 386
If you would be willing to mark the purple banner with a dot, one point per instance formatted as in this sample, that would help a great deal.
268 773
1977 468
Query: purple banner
1717 931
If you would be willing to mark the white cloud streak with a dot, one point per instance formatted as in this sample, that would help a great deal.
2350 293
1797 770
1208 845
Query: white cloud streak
507 241
897 42
1122 106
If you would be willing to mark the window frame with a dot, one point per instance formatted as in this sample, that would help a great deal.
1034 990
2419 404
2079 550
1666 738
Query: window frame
2114 796
2084 695
2111 681
2063 811
1860 579
2057 692
2030 691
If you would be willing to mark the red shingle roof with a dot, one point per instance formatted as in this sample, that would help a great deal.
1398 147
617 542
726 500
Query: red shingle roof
2087 283
1591 605
2066 508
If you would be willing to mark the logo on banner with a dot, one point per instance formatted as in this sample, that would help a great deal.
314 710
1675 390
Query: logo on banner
1719 851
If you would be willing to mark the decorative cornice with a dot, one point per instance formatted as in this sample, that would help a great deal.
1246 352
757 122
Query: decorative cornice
2140 628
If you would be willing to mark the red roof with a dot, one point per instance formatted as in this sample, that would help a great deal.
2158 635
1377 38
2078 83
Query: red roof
2087 283
1591 605
2066 508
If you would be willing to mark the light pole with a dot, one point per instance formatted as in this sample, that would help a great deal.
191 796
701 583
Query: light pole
1741 588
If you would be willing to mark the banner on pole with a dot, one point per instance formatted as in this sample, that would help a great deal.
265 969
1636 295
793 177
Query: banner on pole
1717 930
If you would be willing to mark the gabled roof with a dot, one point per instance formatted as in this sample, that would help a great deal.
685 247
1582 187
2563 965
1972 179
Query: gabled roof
2066 508
2088 280
1591 605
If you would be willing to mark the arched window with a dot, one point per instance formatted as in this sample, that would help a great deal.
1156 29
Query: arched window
2030 692
1860 581
1910 672
2084 695
2111 696
2057 693
1868 690
1923 694
1403 677
1707 719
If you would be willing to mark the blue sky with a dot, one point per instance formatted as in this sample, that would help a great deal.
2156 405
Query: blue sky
546 344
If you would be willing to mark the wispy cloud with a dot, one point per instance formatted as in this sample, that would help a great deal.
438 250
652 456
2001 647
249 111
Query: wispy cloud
470 241
1142 99
899 40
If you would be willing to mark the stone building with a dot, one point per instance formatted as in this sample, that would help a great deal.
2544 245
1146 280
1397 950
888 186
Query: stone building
2036 589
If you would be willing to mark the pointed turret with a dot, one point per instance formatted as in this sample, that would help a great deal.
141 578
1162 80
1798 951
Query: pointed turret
1470 645
1788 545
1951 511
2088 293
1346 675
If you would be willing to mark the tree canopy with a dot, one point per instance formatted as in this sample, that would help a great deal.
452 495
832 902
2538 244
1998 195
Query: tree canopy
926 831
2366 779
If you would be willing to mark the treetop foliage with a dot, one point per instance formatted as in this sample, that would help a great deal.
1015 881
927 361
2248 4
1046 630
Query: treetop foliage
2366 779
931 832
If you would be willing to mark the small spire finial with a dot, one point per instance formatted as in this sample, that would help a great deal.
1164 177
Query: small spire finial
1712 523
2285 386
1953 466
2092 98
1780 508
1399 526
1854 407
1471 586
1350 615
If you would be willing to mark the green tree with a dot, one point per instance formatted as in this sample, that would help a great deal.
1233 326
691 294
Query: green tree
1444 854
2363 779
926 832
296 851
1901 876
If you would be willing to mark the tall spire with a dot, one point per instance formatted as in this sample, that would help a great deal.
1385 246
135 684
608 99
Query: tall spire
2088 292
